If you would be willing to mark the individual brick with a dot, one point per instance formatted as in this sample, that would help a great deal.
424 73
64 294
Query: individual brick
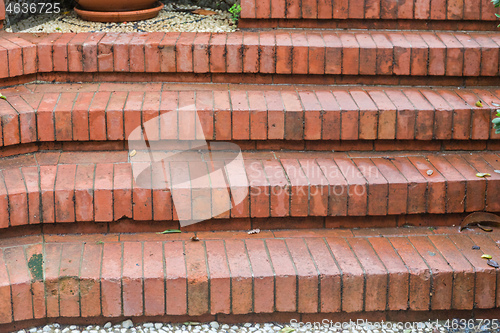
181 191
284 51
60 52
5 293
300 53
330 125
220 284
251 60
285 281
80 116
90 52
367 54
69 276
51 267
368 115
240 115
454 54
121 52
417 186
437 54
105 56
275 115
419 54
480 118
420 285
17 196
461 115
293 9
463 286
90 289
333 53
17 268
132 279
425 124
386 114
350 54
201 52
32 181
378 189
111 276
279 188
489 54
455 9
402 52
64 193
263 9
132 118
472 54
154 282
197 279
217 53
152 52
349 115
241 277
103 195
353 284
205 111
385 54
167 46
258 115
45 117
316 49
307 276
75 52
267 51
263 276
169 115
338 187
10 124
63 117
142 201
114 115
234 53
177 282
137 52
97 116
406 115
294 116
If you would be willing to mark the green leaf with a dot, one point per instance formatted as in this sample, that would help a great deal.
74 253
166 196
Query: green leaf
3 97
287 330
496 121
497 131
169 231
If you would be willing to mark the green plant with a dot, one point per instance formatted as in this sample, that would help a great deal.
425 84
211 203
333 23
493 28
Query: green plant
496 3
235 10
496 121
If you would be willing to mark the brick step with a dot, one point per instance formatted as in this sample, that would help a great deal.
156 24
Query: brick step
296 273
191 187
256 117
367 10
378 57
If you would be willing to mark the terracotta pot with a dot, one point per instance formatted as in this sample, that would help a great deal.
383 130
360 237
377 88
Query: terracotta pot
115 5
124 16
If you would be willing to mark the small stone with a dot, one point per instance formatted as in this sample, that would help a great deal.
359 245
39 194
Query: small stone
148 325
430 172
107 325
127 323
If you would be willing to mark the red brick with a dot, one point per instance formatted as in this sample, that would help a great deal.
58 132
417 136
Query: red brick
152 52
406 9
472 54
485 276
80 115
241 277
220 284
284 53
154 286
10 124
351 54
132 115
132 279
32 180
18 199
197 280
52 261
69 299
437 54
60 52
248 9
63 118
455 9
64 193
489 54
420 283
417 186
454 54
121 52
103 196
105 56
333 53
22 302
367 54
419 54
167 46
461 115
217 47
492 164
480 119
84 192
353 284
472 10
285 281
111 275
97 116
293 9
234 56
349 115
300 53
275 115
15 57
384 50
263 9
176 283
463 286
29 53
5 294
250 52
136 49
402 53
90 291
114 115
263 276
90 52
75 52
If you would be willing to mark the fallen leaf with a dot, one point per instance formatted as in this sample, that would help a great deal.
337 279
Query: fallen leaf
132 153
482 174
430 172
254 231
192 323
486 256
475 247
493 263
479 218
495 104
3 97
195 239
66 13
479 104
170 231
497 171
287 330
483 228
203 12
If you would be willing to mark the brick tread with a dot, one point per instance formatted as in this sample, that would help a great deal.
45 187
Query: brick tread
268 52
313 271
66 112
93 186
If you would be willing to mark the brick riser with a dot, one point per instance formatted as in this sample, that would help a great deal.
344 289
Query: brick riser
156 275
100 187
411 10
255 117
272 54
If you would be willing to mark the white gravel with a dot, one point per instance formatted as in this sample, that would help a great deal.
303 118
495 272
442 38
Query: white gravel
169 19
128 326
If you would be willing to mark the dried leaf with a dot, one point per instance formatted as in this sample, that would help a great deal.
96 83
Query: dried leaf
486 256
254 231
479 104
483 228
195 239
133 153
3 97
430 172
203 12
475 247
493 263
192 323
477 218
169 231
482 174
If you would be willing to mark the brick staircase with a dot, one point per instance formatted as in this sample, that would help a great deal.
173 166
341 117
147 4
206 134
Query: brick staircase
361 140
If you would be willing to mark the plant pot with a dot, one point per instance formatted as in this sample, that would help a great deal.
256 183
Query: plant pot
115 5
120 15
